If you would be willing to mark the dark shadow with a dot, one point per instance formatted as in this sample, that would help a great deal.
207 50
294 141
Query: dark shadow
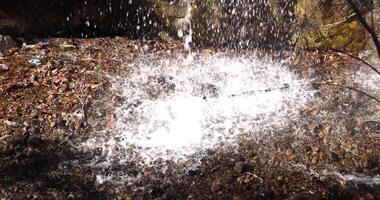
43 167
75 18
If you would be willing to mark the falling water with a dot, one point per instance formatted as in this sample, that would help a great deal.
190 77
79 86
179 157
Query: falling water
186 31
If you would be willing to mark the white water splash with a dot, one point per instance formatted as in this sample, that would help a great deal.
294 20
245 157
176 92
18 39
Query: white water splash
367 80
185 29
175 109
359 178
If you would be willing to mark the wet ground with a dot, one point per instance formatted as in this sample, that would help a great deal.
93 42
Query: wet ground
64 133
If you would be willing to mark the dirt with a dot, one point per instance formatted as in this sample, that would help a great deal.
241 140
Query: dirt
57 94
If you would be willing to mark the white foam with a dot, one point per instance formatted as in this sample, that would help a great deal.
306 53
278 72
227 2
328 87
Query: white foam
359 178
175 109
367 80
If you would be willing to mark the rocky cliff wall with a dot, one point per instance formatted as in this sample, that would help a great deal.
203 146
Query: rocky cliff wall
234 23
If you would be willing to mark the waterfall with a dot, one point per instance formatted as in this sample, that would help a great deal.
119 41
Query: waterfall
186 30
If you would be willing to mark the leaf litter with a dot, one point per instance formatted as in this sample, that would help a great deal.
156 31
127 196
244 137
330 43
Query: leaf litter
87 91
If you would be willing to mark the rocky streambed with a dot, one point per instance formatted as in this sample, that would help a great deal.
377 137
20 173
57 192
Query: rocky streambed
114 118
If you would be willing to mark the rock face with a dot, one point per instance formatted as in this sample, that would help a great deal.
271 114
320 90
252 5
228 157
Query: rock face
231 23
270 23
329 24
43 18
246 23
6 42
374 19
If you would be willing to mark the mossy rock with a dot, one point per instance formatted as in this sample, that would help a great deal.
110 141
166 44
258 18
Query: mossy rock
329 24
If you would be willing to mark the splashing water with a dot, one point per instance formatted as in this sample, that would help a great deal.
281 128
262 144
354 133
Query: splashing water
175 109
185 30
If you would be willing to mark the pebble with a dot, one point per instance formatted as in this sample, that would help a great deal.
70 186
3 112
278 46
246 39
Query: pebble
3 67
35 62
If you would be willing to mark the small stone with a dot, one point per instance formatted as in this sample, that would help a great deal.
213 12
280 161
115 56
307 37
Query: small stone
35 62
3 67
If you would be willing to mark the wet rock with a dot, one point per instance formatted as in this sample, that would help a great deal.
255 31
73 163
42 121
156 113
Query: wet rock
6 42
305 196
159 86
329 24
242 167
35 62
